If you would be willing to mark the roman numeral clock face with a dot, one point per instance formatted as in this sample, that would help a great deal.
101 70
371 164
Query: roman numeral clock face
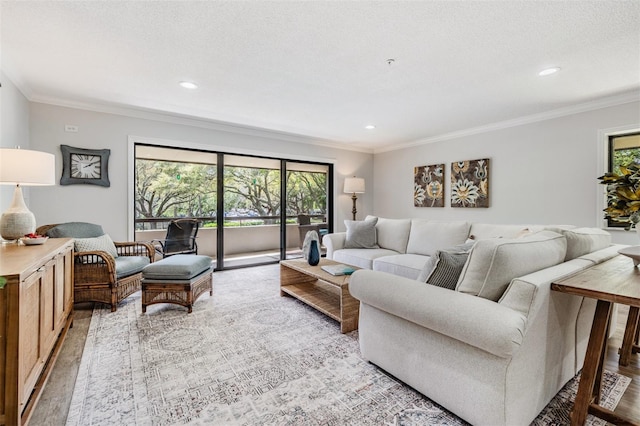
85 166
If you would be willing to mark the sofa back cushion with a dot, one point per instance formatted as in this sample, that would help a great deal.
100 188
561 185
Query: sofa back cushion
493 263
393 234
581 241
482 231
427 236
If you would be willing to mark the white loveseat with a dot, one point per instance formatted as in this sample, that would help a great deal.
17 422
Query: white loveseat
497 348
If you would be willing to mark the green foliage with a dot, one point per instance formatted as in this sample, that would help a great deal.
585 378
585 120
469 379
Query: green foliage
172 189
168 189
3 282
623 195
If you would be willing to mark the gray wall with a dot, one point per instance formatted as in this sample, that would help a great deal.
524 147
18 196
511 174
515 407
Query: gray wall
540 173
108 206
14 129
544 172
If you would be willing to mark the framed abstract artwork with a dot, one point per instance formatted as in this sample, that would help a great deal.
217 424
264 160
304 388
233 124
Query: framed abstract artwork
428 186
470 183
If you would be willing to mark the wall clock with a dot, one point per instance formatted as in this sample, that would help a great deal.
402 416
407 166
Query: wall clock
85 166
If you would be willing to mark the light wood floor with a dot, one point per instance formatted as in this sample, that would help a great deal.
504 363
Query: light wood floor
54 404
629 405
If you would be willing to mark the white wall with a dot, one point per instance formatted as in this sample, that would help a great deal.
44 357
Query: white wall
14 129
108 206
540 173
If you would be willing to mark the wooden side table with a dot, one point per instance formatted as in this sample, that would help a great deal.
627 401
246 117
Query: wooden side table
613 281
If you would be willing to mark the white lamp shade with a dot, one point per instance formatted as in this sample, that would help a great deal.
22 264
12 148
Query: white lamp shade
354 185
26 167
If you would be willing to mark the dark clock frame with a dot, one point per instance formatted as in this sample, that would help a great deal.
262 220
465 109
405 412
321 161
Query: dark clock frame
68 151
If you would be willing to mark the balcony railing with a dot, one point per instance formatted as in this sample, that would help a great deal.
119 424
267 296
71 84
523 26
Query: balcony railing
243 238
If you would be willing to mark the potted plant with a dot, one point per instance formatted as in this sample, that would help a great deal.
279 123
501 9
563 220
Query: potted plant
623 195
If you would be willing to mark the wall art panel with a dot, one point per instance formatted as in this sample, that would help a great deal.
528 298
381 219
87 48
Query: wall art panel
470 183
428 186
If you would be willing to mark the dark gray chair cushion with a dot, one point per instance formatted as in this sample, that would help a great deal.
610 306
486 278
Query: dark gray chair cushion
75 230
178 267
129 265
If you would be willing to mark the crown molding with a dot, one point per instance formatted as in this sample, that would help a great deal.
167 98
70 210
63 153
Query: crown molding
624 98
188 120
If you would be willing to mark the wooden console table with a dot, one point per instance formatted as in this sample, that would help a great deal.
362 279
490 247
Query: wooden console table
37 310
613 281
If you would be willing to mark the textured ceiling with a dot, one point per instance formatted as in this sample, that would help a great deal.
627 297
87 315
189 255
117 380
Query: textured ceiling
319 68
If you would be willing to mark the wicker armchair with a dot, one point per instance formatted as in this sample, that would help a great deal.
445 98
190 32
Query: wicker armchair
97 275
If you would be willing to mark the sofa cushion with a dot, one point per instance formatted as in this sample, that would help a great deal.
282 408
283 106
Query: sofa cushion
75 230
483 231
101 243
428 236
393 234
362 258
404 265
581 241
493 263
129 265
361 234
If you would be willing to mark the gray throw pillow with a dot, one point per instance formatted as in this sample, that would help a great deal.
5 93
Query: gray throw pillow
361 234
446 265
447 269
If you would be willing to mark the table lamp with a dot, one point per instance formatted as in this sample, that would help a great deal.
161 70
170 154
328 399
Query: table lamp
23 167
354 185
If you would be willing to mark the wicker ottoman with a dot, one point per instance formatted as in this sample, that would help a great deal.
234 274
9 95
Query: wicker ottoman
178 279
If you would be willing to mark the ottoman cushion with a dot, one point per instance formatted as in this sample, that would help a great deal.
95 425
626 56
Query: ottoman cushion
178 267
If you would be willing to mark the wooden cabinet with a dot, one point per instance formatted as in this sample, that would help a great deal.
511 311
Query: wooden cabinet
36 310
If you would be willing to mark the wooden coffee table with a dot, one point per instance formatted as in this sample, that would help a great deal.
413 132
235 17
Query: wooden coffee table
327 293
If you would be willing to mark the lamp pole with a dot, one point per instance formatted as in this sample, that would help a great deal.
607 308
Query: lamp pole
354 211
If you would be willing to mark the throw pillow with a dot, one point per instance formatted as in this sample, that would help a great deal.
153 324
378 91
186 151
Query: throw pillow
101 243
75 230
494 262
361 234
581 241
447 269
444 267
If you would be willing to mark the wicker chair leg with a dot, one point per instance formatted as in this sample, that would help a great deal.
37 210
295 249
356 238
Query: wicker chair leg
114 299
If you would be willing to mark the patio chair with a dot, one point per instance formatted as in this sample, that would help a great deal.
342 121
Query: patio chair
103 273
180 238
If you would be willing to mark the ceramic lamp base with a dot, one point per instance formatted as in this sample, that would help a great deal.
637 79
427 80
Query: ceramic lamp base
17 220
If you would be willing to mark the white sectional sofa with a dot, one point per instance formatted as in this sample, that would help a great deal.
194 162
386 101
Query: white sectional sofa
497 347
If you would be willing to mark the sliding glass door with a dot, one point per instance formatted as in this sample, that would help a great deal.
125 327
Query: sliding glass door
253 210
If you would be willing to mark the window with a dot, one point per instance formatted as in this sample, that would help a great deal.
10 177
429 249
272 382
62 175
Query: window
249 206
624 149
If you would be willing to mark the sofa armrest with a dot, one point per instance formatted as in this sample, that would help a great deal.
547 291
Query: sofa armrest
473 320
334 242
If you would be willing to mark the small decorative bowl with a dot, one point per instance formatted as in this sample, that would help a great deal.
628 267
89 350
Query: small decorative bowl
33 241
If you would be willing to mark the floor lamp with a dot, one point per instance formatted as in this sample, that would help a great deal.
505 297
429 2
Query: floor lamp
23 167
354 185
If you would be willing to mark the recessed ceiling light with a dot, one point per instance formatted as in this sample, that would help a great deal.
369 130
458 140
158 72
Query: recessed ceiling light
188 85
369 127
549 71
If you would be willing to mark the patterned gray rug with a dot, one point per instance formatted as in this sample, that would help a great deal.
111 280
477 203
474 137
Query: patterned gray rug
247 356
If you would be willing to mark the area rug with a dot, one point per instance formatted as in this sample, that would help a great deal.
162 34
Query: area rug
247 356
